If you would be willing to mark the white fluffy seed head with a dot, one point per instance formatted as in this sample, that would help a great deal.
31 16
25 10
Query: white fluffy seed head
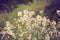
31 13
25 11
41 11
58 12
19 13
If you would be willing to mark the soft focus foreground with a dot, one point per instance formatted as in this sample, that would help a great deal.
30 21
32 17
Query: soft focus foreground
29 26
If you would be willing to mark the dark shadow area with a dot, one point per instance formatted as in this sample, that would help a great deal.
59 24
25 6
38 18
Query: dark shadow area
9 5
51 13
51 9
